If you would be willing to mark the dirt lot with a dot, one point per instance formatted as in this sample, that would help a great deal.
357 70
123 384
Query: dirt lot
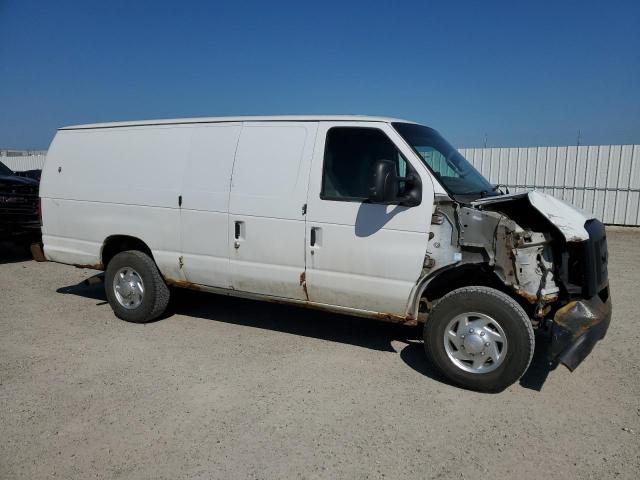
229 388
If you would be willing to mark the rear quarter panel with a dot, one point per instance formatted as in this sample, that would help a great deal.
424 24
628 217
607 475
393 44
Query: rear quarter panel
108 181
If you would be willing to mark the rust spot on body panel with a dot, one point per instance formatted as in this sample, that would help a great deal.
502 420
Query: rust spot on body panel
181 284
533 299
96 266
37 253
387 317
402 320
303 284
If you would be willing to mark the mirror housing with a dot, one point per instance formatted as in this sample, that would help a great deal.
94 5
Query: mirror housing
385 186
413 191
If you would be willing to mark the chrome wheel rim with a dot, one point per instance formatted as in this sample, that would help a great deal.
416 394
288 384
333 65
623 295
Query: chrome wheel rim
475 342
128 288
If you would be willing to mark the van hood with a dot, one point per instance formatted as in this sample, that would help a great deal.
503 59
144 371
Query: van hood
568 219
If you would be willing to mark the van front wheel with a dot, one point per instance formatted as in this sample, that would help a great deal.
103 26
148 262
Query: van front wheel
480 338
134 287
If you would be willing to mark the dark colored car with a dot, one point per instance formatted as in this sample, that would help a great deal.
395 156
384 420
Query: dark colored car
34 174
19 207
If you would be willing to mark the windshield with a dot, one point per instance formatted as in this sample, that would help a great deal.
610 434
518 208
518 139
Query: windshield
4 170
453 171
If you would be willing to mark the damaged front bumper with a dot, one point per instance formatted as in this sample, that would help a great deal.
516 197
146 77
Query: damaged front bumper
577 327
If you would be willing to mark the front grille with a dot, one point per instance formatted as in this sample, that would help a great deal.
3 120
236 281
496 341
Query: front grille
584 264
575 264
18 207
596 274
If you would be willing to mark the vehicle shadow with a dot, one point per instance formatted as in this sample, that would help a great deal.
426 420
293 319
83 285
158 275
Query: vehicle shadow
533 379
12 253
414 356
371 218
361 332
539 370
92 287
376 335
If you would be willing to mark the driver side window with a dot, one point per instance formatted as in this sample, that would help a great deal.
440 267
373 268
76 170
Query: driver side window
349 157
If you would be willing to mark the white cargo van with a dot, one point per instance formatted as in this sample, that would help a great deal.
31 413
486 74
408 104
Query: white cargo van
367 216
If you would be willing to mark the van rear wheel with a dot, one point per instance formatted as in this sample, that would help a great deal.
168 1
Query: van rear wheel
480 338
134 287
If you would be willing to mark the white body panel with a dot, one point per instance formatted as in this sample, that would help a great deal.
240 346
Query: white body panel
127 179
205 204
99 183
268 190
367 256
269 118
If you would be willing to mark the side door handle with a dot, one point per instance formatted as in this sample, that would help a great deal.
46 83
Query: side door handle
238 233
314 237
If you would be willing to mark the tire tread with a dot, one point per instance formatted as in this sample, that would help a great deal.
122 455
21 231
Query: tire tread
161 292
461 294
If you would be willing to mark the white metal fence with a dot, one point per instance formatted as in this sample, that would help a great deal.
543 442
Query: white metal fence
19 161
604 180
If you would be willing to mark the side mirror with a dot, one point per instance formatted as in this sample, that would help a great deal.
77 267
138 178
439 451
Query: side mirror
412 192
385 186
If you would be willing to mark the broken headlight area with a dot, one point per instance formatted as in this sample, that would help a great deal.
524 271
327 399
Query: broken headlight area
583 265
521 258
566 282
584 317
561 281
524 262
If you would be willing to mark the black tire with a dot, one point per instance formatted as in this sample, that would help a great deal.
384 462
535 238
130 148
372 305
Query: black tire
155 297
506 312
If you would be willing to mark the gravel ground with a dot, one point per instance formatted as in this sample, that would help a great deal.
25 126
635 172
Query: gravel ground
230 388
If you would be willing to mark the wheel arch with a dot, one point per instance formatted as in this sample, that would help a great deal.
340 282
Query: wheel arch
115 244
439 283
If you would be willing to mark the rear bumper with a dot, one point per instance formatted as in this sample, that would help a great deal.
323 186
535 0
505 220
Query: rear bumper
577 327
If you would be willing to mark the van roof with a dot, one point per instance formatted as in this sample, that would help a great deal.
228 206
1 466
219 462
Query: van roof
284 118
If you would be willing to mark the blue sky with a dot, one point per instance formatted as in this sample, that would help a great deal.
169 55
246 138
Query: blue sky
523 73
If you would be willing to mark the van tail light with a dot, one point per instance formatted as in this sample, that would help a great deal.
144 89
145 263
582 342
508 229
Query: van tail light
39 208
